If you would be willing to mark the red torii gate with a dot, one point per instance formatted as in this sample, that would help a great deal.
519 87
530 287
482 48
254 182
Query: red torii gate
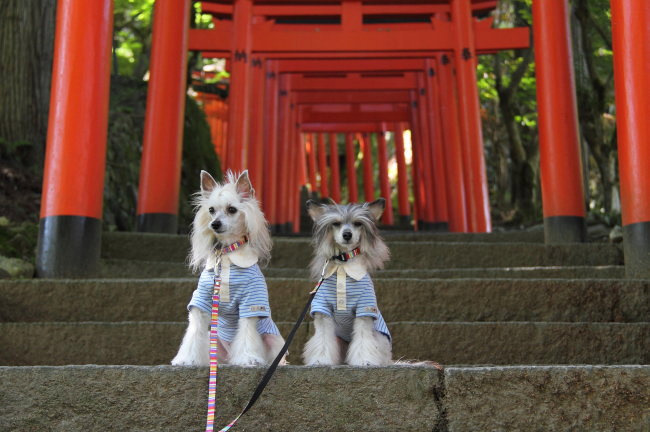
70 225
395 113
412 39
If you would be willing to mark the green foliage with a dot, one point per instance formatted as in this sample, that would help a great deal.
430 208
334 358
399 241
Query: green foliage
18 240
132 36
17 153
132 22
126 129
124 149
198 154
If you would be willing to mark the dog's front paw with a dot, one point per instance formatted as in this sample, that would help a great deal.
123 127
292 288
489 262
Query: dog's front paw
187 359
321 362
247 360
361 362
182 361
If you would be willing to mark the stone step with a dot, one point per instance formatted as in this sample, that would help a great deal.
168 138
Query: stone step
512 343
296 252
131 398
555 300
558 398
165 398
118 268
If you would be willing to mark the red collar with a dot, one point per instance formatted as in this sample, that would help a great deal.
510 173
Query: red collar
346 256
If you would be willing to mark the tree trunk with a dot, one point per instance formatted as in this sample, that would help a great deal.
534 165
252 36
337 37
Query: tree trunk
591 91
26 51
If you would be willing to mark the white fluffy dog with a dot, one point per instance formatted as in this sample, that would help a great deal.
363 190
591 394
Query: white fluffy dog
348 324
229 222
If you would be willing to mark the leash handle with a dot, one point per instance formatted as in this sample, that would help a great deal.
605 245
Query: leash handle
271 370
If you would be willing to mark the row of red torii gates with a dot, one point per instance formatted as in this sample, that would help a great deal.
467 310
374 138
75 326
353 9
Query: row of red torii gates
328 67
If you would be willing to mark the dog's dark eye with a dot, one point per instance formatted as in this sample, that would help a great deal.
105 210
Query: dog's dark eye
336 224
211 210
232 210
357 224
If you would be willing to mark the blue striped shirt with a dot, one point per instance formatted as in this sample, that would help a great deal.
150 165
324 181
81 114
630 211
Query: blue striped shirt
248 298
360 302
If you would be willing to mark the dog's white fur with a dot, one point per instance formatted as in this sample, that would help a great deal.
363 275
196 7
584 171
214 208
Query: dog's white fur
368 347
216 202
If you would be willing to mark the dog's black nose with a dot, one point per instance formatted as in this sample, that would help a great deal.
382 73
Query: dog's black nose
347 235
216 225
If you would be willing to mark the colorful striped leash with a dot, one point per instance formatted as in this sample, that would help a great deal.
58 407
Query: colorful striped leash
271 370
214 346
214 334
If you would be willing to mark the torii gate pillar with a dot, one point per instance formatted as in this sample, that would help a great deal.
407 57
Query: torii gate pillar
239 97
631 40
468 101
162 146
559 142
69 238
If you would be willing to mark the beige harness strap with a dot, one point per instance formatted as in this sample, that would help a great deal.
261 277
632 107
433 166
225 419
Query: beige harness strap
225 280
341 303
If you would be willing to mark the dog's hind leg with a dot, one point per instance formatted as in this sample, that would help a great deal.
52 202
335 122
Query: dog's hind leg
368 346
323 349
195 348
247 349
273 344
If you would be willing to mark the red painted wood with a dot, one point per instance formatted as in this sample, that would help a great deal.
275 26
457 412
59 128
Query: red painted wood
559 145
350 65
160 168
425 164
465 54
631 38
341 127
310 149
334 167
271 121
255 155
402 173
350 158
417 174
397 114
432 97
411 40
240 85
384 182
75 159
322 165
354 81
283 163
298 178
352 96
452 144
368 177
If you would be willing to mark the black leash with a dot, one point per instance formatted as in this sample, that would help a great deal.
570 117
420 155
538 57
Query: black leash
274 365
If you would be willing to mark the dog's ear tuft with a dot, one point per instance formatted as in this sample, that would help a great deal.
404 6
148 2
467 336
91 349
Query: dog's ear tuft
207 183
244 186
314 209
376 207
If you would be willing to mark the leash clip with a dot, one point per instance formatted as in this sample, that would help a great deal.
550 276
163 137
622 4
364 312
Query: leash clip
217 263
322 277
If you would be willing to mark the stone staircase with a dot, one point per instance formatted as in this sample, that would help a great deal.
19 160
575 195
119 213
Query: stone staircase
532 337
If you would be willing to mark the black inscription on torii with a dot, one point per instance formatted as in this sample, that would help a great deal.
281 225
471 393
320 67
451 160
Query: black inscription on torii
241 56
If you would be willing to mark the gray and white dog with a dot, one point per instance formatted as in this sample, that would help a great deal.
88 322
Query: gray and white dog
348 325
